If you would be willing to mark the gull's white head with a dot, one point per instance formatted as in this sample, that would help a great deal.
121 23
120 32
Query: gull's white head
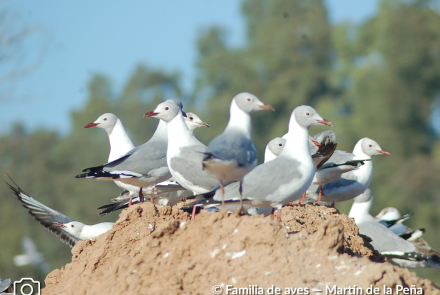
167 110
106 121
249 103
307 116
74 227
193 121
372 148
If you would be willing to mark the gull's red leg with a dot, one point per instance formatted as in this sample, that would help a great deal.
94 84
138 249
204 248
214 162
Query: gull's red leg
272 214
279 215
193 216
320 194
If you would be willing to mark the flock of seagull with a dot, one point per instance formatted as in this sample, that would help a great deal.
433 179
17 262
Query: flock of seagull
297 169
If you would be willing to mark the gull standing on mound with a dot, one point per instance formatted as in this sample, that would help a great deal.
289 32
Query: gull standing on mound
184 153
284 179
121 144
232 154
352 183
69 230
143 166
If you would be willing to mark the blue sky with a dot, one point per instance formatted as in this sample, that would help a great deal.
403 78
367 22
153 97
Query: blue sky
111 37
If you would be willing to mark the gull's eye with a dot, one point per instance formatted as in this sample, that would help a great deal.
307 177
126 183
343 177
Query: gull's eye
248 99
105 119
191 118
72 225
307 114
280 144
371 145
166 109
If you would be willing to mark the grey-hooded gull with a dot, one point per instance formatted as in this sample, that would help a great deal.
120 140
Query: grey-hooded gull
391 218
352 183
274 148
69 230
185 151
121 144
335 164
403 252
31 256
232 154
143 166
284 179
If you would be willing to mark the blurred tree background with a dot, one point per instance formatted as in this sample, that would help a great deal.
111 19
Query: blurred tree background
379 79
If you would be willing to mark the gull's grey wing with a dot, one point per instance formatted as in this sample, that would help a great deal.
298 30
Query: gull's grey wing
189 165
344 183
142 159
233 145
339 157
384 240
45 216
263 180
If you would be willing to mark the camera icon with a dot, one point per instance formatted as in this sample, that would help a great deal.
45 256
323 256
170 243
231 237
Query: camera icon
27 286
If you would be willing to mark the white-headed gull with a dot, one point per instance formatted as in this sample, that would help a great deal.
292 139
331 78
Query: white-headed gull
274 148
69 230
31 256
232 154
193 121
336 163
121 144
284 179
403 252
351 183
143 166
185 151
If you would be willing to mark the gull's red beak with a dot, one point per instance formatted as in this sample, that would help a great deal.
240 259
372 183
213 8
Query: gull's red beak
59 224
326 122
384 152
91 125
267 107
316 143
150 114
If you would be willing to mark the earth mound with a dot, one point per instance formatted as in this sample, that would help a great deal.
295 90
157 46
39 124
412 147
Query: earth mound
157 250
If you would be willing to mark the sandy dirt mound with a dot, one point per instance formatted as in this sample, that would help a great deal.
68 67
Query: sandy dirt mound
313 247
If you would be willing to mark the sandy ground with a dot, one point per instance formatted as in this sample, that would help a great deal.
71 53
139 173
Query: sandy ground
157 250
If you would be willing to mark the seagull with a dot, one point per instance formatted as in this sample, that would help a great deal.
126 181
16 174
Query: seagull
232 154
391 218
403 252
143 166
185 151
334 165
31 256
284 179
352 183
6 287
69 230
274 148
168 193
193 121
121 144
